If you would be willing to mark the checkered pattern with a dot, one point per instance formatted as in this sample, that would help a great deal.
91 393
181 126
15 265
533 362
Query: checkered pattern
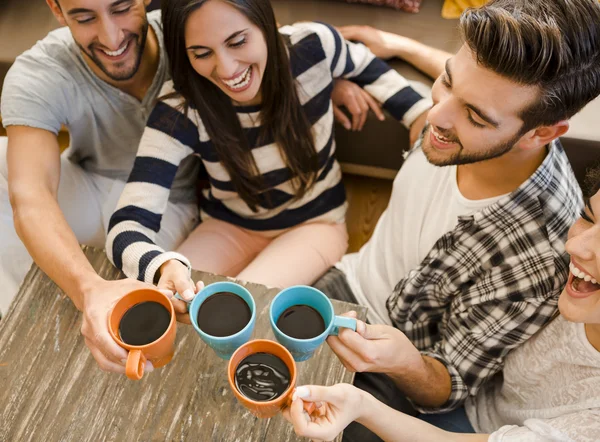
492 282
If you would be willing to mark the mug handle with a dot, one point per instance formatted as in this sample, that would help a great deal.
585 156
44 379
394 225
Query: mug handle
187 303
342 321
134 369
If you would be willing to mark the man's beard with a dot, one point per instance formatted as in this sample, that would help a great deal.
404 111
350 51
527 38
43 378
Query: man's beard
139 43
461 158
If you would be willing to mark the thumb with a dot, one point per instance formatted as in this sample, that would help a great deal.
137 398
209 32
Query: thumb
371 332
315 393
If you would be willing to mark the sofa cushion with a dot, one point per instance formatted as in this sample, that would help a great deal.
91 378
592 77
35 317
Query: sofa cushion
453 8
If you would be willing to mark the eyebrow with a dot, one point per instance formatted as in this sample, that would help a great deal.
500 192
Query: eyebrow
231 37
474 108
89 11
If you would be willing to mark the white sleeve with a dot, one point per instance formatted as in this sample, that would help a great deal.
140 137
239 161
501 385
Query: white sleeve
582 426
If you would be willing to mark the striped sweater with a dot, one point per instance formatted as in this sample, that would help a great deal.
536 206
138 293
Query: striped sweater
318 56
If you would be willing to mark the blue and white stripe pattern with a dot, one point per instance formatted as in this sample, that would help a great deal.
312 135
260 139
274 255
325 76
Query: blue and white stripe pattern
318 56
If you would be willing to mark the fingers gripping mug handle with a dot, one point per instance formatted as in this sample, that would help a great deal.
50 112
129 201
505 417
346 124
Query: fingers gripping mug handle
309 407
187 303
342 321
135 365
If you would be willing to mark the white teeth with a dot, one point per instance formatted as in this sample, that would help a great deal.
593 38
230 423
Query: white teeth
115 53
240 81
440 138
581 275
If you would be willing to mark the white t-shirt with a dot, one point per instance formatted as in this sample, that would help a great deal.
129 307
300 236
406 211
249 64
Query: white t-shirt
549 390
424 205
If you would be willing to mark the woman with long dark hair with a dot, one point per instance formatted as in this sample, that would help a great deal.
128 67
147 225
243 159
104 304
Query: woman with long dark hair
254 103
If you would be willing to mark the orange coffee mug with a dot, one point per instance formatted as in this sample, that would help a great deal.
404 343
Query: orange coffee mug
160 351
265 409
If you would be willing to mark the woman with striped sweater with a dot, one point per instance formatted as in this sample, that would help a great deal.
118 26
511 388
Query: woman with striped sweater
253 102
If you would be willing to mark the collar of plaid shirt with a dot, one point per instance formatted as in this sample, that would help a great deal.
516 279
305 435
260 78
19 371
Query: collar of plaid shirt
492 282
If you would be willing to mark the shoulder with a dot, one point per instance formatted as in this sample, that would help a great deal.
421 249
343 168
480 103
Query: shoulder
48 61
311 33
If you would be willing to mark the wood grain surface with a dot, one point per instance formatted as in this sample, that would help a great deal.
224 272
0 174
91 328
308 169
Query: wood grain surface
52 390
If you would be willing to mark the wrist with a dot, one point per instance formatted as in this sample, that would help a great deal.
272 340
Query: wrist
410 367
367 409
87 287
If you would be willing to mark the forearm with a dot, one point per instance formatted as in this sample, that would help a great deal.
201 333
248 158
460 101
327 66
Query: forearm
394 426
428 60
428 384
40 224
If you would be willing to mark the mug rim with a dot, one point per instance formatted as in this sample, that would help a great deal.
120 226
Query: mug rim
291 338
231 375
116 336
194 320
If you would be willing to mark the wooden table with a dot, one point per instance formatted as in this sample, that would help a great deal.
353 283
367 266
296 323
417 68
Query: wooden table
51 388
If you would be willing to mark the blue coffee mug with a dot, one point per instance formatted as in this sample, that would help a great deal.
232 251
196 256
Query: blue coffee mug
224 346
303 349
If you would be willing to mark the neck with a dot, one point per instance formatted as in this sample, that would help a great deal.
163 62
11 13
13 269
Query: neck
138 85
498 176
592 332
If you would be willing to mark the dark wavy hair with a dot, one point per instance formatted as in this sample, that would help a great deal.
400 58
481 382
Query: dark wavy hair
282 117
592 181
552 44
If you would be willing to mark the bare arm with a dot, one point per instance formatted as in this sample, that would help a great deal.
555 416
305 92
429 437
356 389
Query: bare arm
393 426
386 45
34 172
33 175
344 403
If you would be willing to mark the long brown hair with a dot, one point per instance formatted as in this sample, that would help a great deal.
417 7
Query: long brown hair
282 117
552 44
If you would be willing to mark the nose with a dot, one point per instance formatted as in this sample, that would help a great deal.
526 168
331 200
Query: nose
226 65
110 34
582 242
441 114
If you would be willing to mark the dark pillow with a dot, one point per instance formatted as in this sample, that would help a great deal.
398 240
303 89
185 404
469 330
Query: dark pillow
405 5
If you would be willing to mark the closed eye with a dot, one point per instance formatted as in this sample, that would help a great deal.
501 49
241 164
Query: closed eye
201 56
586 217
473 122
238 43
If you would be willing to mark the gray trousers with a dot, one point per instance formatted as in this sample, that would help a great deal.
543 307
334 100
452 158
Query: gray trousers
381 386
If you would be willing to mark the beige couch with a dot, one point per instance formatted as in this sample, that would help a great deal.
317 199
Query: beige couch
377 150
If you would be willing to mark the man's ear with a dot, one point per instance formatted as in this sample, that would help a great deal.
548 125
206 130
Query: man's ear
53 5
543 135
147 2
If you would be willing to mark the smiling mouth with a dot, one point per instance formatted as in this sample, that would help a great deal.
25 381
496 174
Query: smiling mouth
239 82
582 282
118 52
441 139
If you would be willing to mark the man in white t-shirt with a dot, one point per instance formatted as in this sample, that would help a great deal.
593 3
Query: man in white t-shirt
468 260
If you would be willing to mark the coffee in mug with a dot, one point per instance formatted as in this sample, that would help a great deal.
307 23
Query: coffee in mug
223 314
262 377
301 322
144 323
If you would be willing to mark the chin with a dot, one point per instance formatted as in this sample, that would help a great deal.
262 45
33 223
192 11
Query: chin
573 310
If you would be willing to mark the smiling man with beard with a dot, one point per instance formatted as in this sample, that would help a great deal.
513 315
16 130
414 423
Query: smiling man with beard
99 76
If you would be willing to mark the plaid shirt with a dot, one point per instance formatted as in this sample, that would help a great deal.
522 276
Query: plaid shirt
488 285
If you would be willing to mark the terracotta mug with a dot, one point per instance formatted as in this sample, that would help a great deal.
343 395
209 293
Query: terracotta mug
159 352
265 409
